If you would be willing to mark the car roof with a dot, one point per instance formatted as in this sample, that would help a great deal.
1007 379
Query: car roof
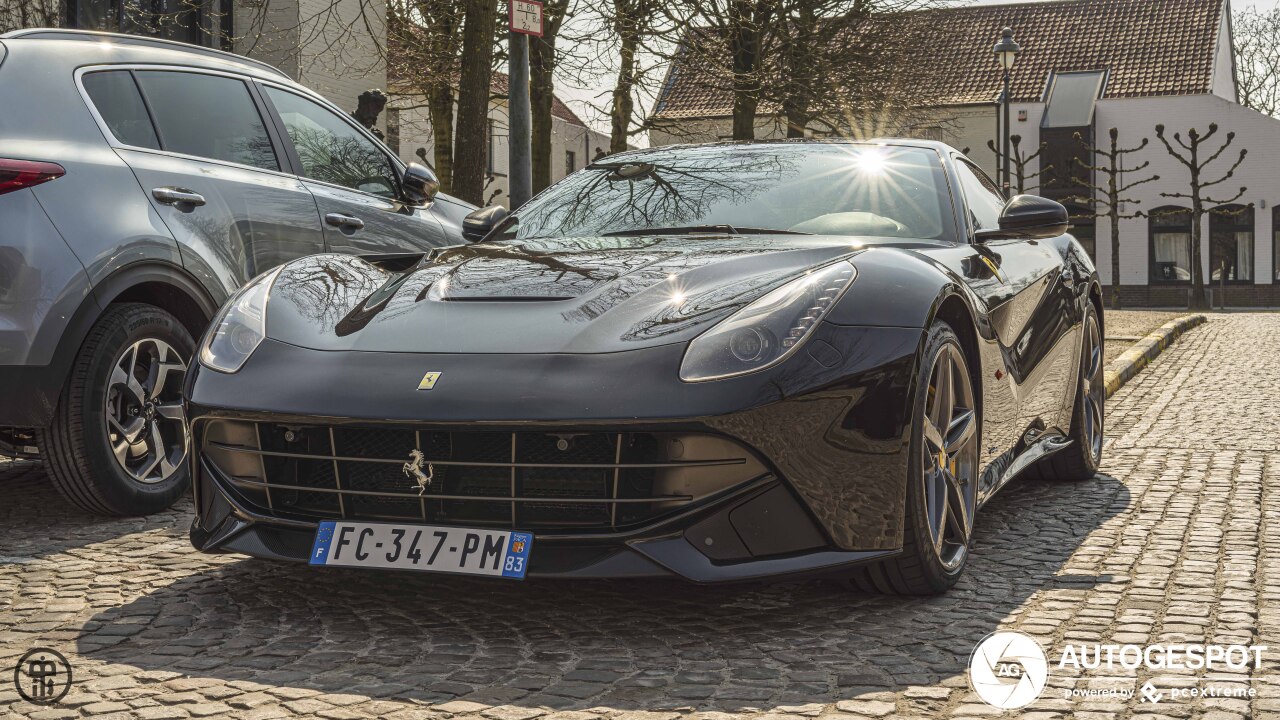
122 48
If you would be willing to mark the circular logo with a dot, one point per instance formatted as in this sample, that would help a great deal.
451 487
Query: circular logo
1008 670
42 676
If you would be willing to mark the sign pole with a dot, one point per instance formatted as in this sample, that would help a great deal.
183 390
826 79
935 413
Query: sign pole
525 19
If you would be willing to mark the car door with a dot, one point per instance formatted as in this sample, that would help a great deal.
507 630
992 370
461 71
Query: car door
1021 283
198 145
354 181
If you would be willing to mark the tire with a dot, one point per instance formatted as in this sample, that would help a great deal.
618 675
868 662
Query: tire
1080 460
926 566
129 372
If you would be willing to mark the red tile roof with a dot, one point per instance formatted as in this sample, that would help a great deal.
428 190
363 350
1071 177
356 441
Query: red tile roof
1151 47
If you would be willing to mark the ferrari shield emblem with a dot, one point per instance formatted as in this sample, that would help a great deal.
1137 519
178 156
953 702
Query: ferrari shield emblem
429 380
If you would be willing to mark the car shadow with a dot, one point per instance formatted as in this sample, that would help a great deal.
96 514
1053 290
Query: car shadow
36 521
583 644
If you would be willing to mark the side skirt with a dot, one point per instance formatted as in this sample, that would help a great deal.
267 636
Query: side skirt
1043 447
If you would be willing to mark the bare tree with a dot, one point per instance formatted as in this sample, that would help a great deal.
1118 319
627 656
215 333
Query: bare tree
1111 195
426 41
850 67
1257 51
1020 160
542 65
18 14
1193 158
474 83
733 37
640 32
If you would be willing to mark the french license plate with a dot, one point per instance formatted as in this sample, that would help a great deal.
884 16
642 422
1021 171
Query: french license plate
467 551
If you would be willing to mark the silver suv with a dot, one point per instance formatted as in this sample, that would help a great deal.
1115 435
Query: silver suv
141 182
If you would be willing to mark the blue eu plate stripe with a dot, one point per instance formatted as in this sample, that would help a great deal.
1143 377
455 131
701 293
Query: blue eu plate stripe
324 535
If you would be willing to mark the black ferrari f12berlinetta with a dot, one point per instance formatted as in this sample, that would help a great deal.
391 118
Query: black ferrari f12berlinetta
718 362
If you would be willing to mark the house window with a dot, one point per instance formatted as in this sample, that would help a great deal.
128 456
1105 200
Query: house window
1170 229
1231 243
570 162
189 21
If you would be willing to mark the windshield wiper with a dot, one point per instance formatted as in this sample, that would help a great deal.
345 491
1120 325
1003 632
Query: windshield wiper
694 229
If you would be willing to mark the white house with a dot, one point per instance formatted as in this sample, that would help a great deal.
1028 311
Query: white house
573 143
1088 66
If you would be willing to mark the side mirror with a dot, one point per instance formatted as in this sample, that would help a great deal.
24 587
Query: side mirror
478 224
1029 216
420 184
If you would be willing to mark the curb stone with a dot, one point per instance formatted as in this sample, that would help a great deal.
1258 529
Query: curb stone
1132 361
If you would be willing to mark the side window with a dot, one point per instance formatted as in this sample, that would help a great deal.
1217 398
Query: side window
984 199
331 150
207 116
116 98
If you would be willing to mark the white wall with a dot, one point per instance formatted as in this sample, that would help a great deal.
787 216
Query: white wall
1135 118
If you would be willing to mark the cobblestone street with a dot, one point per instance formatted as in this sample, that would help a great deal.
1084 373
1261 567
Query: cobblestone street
1177 541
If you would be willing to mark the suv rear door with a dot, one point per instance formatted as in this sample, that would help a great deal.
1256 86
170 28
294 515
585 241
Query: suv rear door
355 181
211 166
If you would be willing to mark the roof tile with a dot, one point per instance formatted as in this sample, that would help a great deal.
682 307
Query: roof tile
1150 47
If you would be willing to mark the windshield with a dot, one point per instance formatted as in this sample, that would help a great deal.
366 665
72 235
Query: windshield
834 189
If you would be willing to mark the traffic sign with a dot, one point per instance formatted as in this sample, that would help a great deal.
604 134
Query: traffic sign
526 17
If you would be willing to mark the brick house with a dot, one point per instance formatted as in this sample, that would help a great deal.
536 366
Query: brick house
1088 66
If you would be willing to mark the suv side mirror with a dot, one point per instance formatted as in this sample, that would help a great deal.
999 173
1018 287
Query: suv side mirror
478 224
420 184
1029 216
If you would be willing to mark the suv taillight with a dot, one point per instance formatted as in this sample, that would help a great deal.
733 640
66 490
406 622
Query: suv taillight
18 174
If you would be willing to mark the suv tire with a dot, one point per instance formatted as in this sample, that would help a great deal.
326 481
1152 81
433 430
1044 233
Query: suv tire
117 444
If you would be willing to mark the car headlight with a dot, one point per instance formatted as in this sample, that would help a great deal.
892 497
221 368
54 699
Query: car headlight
239 327
768 330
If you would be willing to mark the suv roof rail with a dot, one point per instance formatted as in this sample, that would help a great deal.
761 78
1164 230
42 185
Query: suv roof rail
140 40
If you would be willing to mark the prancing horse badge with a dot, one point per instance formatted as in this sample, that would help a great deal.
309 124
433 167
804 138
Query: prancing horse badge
429 380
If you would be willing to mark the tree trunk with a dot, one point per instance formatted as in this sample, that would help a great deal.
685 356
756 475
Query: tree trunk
744 44
1198 299
542 65
1113 214
440 107
471 146
1115 252
800 69
541 89
623 99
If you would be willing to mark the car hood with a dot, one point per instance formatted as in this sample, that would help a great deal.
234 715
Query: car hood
572 295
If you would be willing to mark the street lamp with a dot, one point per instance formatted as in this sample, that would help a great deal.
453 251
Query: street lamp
1006 51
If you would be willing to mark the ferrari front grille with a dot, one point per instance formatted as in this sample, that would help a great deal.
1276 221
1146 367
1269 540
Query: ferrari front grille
543 480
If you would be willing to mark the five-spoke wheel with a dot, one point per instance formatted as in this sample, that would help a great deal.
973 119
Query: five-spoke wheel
942 475
950 456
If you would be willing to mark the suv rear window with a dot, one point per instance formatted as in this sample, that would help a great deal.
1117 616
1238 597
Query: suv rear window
116 98
207 116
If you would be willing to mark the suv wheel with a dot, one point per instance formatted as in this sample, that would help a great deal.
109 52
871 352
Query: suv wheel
118 441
